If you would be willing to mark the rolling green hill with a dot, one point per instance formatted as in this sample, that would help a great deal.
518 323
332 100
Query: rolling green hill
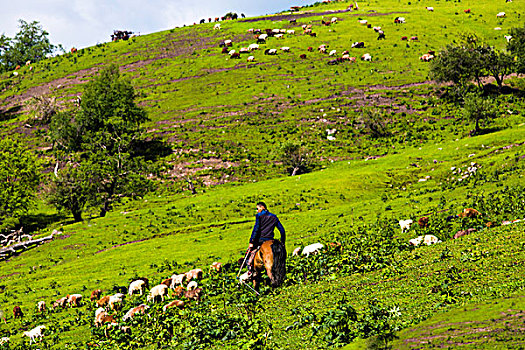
224 121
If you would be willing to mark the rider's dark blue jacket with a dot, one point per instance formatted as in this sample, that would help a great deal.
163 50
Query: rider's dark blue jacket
265 223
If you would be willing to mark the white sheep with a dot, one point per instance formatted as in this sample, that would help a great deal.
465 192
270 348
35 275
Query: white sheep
296 251
366 57
217 26
501 15
312 249
192 285
160 290
250 59
405 224
279 36
177 280
426 239
41 306
35 333
285 49
252 47
4 340
115 301
429 8
332 53
138 285
290 31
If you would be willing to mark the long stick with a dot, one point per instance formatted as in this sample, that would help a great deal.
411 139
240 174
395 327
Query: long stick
244 261
244 284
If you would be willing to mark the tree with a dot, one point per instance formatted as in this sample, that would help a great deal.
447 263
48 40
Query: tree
478 109
31 43
498 64
459 63
105 135
516 46
71 190
295 158
20 174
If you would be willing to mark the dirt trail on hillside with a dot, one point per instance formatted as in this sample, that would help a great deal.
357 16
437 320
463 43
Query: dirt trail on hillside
278 18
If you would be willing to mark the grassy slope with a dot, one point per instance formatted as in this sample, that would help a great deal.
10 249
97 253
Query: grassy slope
232 97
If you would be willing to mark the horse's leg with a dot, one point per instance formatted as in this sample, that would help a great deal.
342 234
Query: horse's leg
268 261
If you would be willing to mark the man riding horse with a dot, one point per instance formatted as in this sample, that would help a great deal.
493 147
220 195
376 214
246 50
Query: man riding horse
265 223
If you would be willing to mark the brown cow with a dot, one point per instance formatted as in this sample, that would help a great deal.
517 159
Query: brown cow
17 312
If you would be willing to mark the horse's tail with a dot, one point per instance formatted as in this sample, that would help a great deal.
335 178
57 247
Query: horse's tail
279 263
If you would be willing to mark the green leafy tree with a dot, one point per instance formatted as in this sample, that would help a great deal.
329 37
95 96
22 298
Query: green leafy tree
31 43
105 132
459 63
20 174
516 46
478 109
71 189
295 158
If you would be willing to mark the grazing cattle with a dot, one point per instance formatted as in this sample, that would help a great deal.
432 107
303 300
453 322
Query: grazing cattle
332 53
73 49
263 37
423 222
202 21
141 309
405 224
235 55
175 303
404 38
252 47
501 15
158 291
376 29
217 266
17 312
466 11
312 249
225 50
74 299
194 294
426 57
290 31
429 8
296 251
464 233
310 49
279 36
62 302
312 34
244 50
414 38
358 45
95 294
231 52
469 213
426 239
137 286
250 59
41 306
217 26
381 35
285 49
227 42
192 285
270 52
293 20
35 333
363 21
334 20
302 56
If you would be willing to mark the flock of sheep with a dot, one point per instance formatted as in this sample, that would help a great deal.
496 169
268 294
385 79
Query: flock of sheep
108 305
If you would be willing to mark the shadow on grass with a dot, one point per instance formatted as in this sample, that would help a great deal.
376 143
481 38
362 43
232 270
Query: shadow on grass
152 149
32 223
486 131
10 113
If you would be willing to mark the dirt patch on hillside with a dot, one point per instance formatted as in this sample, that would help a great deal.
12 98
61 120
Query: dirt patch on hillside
298 15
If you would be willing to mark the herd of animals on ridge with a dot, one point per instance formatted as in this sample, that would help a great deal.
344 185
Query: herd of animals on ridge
191 292
185 285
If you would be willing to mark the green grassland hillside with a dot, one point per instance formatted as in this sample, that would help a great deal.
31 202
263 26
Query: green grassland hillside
222 123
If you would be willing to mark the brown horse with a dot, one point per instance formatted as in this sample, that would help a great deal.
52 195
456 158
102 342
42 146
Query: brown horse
272 257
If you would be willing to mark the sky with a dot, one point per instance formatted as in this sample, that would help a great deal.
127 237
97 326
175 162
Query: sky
83 23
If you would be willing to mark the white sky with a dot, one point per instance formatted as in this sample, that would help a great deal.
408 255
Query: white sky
83 23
